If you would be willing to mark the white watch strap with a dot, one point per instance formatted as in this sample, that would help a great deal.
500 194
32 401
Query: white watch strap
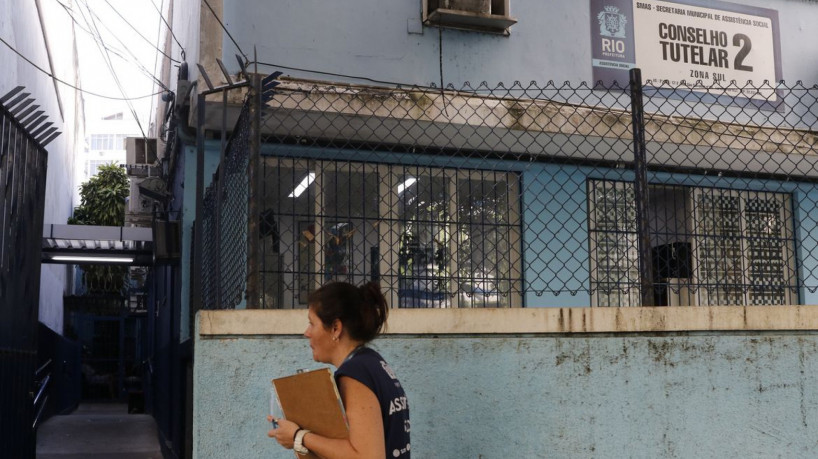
298 443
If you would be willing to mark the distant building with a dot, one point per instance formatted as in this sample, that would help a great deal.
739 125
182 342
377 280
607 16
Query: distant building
104 144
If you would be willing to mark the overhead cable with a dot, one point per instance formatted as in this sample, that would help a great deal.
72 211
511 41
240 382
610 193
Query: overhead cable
91 93
225 30
170 29
107 58
140 35
134 59
119 53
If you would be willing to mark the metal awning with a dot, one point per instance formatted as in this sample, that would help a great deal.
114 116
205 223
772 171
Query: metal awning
94 245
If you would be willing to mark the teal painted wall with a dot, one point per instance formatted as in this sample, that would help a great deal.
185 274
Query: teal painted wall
749 394
188 219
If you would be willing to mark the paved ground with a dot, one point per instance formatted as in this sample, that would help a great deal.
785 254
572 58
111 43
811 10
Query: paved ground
96 431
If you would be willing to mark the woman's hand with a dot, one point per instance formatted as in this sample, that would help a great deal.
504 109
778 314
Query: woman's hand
284 433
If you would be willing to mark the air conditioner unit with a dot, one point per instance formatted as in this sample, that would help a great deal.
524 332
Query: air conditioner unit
140 151
472 6
478 15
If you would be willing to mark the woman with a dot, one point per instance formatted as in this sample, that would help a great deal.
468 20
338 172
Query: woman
342 319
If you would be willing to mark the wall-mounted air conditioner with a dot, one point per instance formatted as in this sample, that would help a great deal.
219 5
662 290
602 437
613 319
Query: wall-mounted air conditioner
140 151
472 6
478 15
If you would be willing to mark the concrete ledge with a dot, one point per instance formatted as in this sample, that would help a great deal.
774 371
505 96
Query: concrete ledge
530 320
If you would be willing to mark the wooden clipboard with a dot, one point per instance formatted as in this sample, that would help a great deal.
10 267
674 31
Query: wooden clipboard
311 400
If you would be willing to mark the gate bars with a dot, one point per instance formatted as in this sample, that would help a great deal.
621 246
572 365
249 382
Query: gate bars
23 162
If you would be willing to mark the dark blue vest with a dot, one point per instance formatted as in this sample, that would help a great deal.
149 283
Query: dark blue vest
370 369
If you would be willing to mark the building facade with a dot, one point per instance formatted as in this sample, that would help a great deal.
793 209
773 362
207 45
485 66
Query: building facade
496 154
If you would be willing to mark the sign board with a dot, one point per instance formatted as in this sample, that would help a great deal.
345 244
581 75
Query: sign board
708 46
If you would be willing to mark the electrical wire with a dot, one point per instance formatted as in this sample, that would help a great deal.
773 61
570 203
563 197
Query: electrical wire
225 30
156 62
117 52
351 77
134 59
90 93
69 11
107 58
140 35
170 29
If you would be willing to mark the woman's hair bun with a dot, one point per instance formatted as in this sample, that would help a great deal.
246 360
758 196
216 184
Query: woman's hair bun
362 310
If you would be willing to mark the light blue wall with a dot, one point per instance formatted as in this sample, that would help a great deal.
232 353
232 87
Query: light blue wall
371 38
189 217
607 396
555 235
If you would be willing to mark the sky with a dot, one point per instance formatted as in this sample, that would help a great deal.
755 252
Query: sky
116 43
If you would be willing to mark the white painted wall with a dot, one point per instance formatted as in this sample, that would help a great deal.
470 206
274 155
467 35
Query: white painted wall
21 27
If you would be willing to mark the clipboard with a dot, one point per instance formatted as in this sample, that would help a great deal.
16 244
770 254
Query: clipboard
311 400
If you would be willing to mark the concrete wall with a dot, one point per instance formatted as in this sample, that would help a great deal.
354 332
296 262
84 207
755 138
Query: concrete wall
618 382
551 41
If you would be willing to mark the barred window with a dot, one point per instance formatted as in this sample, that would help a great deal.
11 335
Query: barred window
746 247
613 244
709 246
433 237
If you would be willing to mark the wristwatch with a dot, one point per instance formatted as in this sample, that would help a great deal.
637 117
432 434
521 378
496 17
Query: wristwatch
298 442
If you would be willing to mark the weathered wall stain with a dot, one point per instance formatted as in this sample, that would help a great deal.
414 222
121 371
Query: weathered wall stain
641 395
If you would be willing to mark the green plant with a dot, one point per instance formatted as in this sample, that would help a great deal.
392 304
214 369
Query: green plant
103 203
103 198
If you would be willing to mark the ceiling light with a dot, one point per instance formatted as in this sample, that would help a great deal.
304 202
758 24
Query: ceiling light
409 182
302 187
92 259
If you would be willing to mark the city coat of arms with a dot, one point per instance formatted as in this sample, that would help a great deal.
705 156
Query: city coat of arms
612 22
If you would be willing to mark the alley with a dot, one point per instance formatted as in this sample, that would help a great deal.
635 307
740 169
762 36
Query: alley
99 430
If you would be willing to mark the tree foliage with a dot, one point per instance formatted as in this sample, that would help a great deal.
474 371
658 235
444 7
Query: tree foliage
103 203
103 198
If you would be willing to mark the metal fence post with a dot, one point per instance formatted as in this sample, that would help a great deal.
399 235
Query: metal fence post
254 178
641 189
219 195
198 252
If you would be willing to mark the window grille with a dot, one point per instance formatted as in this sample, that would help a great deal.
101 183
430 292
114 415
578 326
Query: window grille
613 239
434 237
746 247
710 246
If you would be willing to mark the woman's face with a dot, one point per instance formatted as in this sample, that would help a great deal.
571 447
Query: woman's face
320 338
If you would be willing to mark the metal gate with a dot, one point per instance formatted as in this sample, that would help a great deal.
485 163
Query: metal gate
23 162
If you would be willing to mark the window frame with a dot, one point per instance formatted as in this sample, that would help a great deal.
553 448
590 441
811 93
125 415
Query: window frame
389 223
694 290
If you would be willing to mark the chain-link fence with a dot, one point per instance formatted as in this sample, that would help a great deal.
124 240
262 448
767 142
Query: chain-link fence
540 195
224 225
